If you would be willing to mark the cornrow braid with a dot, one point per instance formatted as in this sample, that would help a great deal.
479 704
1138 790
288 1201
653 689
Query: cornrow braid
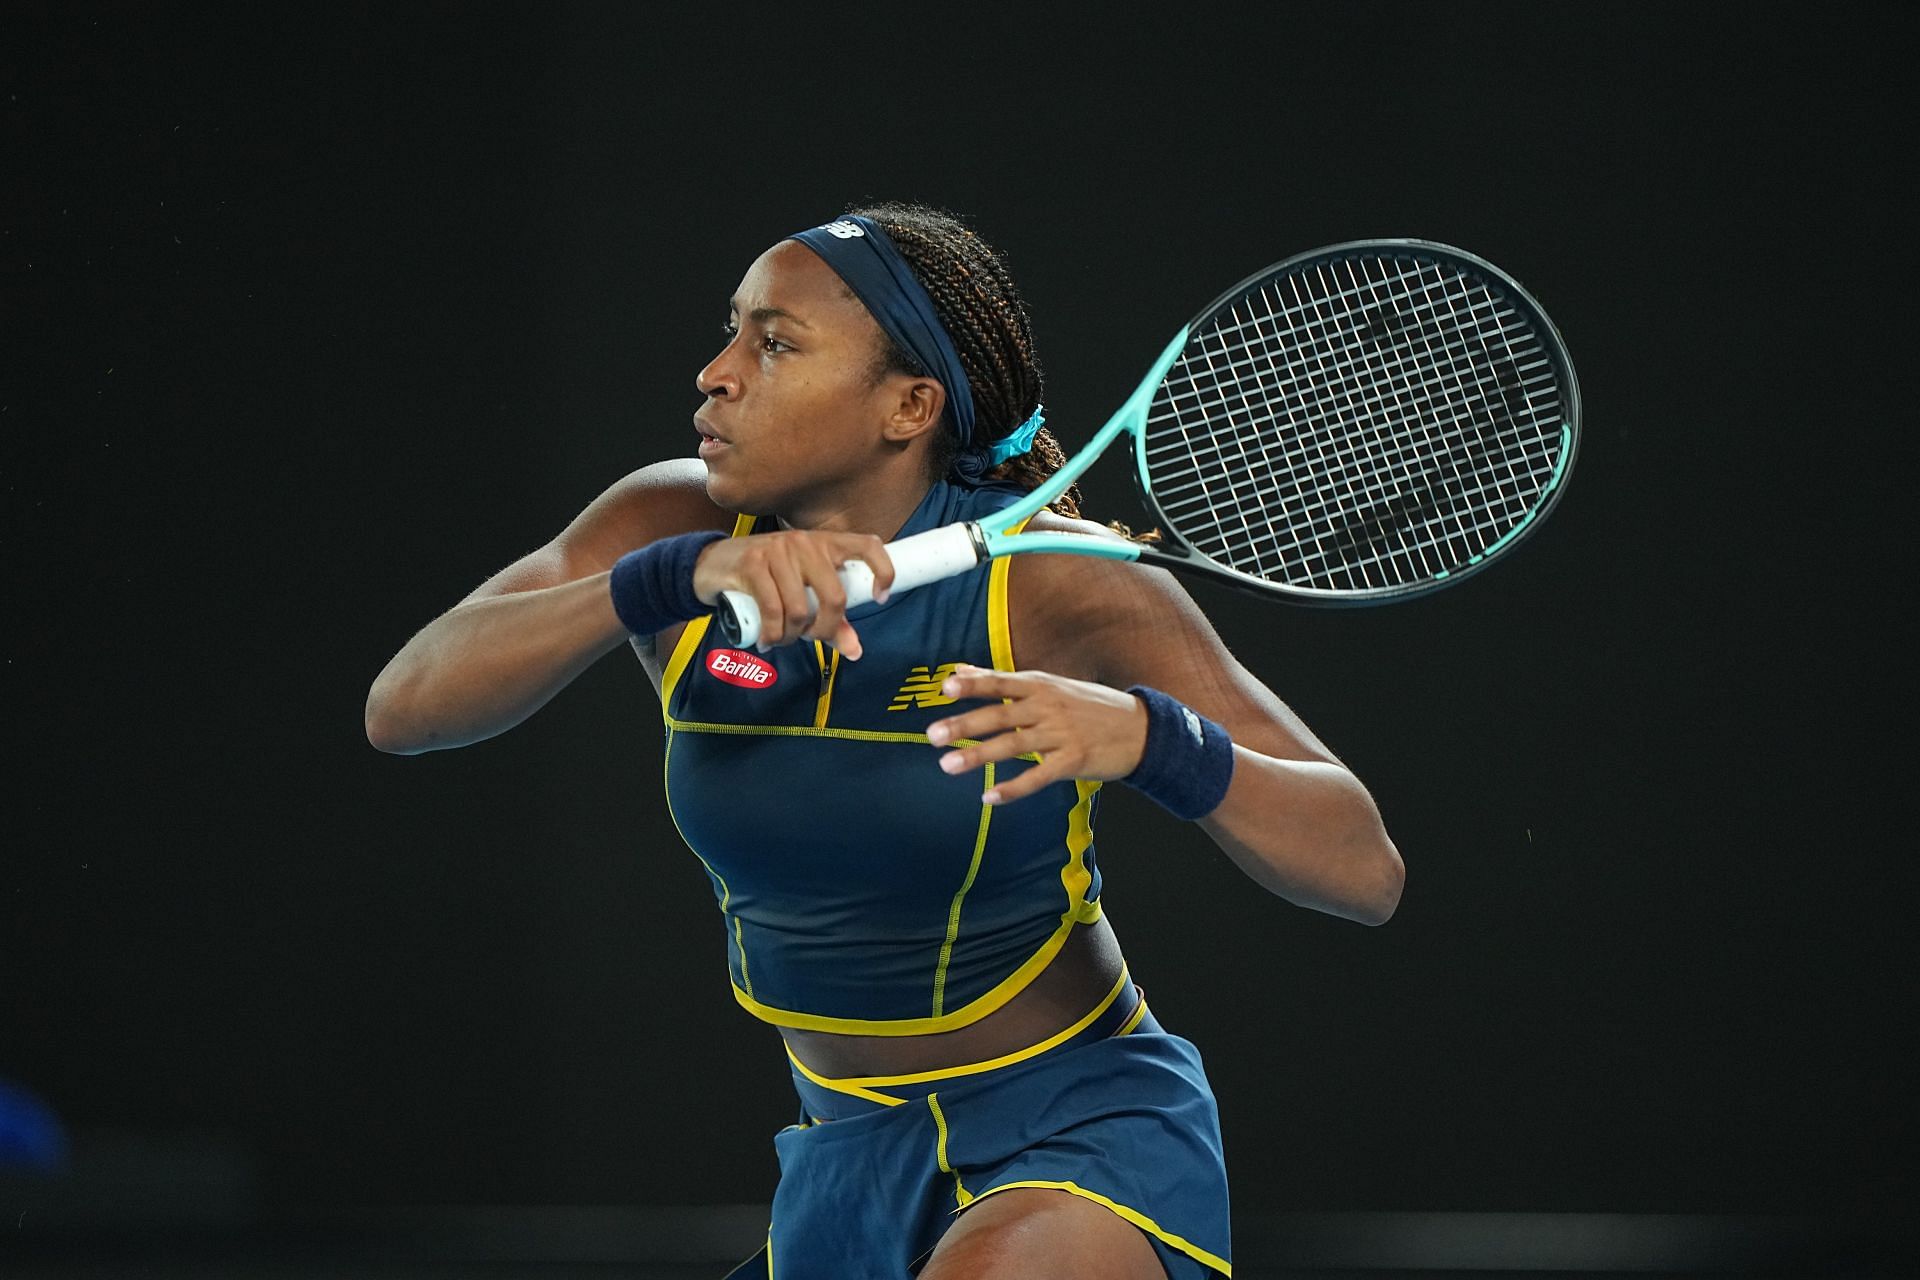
983 313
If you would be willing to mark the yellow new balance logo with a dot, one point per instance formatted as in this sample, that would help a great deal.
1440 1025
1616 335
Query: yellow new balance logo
922 688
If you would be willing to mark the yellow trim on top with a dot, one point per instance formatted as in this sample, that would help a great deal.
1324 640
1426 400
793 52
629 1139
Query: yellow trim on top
1133 1019
694 632
829 668
864 1085
953 916
1075 876
1007 989
793 731
999 617
739 943
1134 1216
940 1150
840 1086
690 637
726 894
810 731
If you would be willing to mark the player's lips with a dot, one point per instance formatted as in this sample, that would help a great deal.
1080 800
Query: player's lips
711 441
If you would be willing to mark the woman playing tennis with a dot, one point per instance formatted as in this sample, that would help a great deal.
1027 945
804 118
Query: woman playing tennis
895 802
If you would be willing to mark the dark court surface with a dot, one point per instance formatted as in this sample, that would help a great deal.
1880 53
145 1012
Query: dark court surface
704 1242
558 1271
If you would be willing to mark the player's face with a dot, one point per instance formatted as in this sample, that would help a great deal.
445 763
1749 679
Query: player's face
791 409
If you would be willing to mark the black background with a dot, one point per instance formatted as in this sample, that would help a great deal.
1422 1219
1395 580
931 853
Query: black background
312 322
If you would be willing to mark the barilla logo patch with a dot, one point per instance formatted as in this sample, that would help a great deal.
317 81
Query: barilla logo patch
740 668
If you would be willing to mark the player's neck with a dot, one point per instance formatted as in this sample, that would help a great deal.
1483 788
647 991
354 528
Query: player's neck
876 504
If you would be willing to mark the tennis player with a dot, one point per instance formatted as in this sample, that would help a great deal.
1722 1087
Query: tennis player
895 803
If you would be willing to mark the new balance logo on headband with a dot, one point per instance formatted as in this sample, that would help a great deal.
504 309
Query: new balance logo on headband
843 230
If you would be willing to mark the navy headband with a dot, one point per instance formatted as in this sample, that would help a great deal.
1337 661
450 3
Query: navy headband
862 255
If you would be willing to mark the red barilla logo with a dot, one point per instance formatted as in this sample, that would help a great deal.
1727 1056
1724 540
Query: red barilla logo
740 668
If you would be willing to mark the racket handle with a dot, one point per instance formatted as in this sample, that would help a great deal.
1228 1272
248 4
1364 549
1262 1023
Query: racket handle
918 560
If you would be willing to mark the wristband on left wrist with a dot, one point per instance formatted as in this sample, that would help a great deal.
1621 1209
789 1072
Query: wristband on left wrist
1187 764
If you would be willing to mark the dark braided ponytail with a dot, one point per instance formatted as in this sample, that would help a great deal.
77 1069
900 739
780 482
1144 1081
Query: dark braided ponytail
983 313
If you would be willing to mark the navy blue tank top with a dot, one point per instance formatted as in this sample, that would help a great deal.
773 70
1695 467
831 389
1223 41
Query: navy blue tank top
862 889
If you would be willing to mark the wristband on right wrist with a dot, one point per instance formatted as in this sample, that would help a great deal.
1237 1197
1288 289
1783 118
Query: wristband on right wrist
652 588
1188 761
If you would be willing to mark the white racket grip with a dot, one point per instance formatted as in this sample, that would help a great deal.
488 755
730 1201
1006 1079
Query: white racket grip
928 557
917 560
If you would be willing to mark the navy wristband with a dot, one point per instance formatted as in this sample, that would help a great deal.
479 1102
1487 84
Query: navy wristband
1188 761
652 588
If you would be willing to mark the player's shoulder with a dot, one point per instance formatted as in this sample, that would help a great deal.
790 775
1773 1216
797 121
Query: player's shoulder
1047 520
1081 575
1072 605
679 482
1067 577
656 501
666 497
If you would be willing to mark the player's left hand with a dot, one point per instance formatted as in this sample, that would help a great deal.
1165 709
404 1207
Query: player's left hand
1079 729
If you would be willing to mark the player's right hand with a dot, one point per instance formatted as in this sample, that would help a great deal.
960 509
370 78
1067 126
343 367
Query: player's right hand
777 568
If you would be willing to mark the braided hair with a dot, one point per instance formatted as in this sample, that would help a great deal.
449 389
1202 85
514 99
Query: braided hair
987 320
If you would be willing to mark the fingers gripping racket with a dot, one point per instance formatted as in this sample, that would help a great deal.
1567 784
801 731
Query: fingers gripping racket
1359 424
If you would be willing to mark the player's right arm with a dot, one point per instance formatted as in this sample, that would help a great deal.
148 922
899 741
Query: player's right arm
500 654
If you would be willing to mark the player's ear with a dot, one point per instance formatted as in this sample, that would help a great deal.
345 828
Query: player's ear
914 409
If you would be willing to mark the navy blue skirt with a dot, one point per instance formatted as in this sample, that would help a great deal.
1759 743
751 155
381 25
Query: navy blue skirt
1115 1110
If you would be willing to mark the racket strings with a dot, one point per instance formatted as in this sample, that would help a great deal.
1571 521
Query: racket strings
1355 424
1316 384
1329 476
1317 457
1312 387
1451 417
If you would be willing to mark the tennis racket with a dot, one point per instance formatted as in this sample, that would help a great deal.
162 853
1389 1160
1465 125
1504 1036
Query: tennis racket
1359 424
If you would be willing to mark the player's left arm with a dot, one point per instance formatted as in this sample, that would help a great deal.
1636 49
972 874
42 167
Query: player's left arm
1294 818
